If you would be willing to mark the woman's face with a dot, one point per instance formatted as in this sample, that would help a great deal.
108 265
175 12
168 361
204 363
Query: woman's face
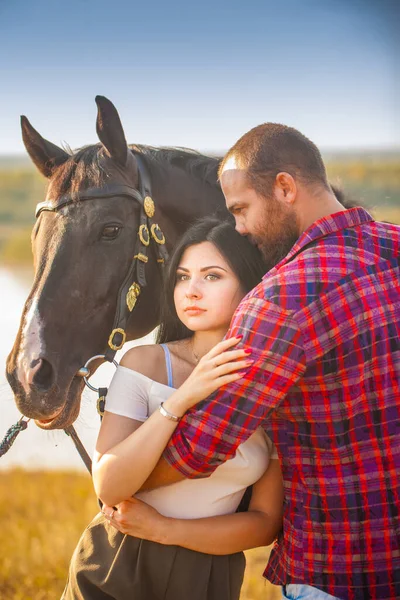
207 291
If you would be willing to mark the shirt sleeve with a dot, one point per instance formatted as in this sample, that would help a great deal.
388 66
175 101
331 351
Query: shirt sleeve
209 434
127 395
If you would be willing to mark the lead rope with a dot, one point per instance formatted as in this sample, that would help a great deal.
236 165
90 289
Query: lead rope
11 435
71 432
13 432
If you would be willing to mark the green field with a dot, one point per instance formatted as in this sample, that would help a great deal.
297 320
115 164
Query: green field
370 178
42 515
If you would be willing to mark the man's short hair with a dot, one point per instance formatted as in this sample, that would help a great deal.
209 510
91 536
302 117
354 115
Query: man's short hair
271 148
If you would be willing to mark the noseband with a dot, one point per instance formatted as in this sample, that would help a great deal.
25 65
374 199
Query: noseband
135 278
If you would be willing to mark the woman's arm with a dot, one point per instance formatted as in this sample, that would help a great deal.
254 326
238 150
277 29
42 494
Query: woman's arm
224 534
121 469
127 452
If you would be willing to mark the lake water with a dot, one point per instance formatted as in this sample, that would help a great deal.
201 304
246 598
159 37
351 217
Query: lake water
35 448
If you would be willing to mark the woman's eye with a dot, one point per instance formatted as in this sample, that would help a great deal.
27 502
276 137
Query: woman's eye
181 277
212 276
111 232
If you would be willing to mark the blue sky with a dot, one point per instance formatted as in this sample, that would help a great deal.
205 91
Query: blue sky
200 74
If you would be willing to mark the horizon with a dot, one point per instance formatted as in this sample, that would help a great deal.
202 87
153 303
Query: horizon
325 152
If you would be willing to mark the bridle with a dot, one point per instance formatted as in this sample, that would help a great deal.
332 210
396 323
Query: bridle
135 279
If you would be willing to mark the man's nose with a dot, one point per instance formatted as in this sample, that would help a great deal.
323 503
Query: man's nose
240 227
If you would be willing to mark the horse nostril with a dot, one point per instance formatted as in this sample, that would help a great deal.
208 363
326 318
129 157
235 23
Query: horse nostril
41 374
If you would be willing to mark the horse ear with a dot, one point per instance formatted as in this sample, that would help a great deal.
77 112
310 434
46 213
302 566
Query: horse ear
109 129
44 154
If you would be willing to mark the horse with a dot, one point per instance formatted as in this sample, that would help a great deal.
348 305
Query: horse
98 256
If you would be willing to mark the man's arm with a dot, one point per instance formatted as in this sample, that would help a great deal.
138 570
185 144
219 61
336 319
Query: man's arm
210 433
163 474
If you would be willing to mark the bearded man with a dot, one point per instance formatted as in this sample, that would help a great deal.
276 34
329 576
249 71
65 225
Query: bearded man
324 330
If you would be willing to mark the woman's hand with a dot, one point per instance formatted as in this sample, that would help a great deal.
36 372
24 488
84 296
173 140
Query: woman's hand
138 519
218 367
223 534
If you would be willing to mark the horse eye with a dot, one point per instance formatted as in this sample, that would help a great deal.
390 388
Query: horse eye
111 232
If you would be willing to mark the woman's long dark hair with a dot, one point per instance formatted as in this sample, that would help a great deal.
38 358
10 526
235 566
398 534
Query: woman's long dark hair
244 259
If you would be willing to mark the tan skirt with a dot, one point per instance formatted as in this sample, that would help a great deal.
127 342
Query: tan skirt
109 565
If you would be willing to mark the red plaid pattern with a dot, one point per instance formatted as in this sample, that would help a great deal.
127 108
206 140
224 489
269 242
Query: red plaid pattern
324 327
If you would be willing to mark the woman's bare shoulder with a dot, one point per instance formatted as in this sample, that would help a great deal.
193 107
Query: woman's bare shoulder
147 360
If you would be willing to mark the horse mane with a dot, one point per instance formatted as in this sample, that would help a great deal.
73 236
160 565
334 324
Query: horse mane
83 168
343 198
79 172
193 162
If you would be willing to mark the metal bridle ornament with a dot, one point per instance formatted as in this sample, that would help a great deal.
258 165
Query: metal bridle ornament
132 296
85 377
157 234
149 207
144 235
101 392
114 342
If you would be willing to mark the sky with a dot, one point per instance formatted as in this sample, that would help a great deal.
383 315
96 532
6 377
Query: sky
202 73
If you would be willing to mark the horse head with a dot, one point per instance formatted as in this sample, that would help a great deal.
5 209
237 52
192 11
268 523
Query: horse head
84 242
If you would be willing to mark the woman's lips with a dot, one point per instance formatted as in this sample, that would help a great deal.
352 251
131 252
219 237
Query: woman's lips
194 310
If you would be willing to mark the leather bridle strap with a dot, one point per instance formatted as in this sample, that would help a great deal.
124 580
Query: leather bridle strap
107 191
135 279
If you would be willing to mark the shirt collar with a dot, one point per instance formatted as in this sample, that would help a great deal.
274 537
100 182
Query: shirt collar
330 224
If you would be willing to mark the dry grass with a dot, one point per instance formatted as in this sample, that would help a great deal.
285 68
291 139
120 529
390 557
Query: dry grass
255 587
42 516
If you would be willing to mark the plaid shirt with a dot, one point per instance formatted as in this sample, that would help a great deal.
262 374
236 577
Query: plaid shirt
324 327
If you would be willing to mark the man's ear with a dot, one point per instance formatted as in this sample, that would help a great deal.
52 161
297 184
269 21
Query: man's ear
285 188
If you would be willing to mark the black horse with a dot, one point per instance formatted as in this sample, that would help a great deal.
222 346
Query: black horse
84 242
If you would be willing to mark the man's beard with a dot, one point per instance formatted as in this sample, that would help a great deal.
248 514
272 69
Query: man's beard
277 235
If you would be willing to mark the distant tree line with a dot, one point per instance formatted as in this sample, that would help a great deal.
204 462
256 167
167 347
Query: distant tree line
372 181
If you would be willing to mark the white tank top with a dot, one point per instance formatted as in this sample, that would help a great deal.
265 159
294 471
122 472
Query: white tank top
136 396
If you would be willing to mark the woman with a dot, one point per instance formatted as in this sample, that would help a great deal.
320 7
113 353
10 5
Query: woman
210 271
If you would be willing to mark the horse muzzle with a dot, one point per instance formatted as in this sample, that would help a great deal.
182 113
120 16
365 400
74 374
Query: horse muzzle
39 396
